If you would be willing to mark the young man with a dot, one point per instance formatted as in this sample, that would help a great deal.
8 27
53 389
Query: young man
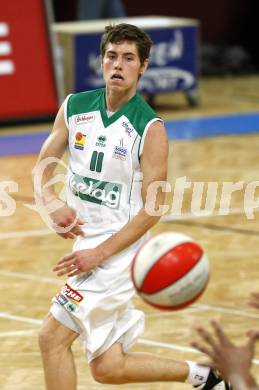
118 147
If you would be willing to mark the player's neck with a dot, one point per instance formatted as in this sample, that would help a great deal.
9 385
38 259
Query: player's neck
115 100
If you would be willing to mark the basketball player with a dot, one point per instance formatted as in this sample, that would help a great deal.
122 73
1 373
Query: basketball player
118 147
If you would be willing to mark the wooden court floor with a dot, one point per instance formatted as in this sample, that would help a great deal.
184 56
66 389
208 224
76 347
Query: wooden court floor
29 249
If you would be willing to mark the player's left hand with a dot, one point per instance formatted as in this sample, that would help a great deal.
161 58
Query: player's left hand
79 262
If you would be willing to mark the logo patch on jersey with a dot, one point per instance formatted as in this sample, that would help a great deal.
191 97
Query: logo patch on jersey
84 118
128 129
69 298
80 140
96 191
101 141
120 153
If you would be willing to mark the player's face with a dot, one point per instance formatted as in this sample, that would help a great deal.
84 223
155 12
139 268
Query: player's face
121 66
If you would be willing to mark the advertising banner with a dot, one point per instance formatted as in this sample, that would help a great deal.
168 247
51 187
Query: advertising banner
173 61
27 78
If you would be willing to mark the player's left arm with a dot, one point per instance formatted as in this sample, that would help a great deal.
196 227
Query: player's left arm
154 160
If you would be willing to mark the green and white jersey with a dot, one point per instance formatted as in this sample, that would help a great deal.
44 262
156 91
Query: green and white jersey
104 176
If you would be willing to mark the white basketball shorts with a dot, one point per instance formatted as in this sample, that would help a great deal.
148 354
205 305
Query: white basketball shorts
97 304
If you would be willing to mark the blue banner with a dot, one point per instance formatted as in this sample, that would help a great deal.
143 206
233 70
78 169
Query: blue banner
173 61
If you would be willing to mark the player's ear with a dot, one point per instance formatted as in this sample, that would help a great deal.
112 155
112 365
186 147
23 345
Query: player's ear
144 66
101 61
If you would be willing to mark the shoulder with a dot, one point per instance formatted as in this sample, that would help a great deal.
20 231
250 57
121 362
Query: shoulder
142 115
83 102
157 134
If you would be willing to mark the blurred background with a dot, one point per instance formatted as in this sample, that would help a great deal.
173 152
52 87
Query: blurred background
40 49
227 28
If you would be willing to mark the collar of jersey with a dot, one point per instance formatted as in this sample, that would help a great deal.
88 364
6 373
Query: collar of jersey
107 121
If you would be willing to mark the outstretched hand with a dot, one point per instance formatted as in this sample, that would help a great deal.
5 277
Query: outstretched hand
79 262
233 362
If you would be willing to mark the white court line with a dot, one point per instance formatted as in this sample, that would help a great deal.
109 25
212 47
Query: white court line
195 307
227 310
176 347
17 333
142 341
25 233
25 353
203 307
33 277
169 313
20 318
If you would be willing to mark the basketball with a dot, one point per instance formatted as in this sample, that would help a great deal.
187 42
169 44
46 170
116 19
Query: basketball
170 271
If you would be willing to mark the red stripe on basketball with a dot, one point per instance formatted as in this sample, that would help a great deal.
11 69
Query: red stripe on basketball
171 267
181 305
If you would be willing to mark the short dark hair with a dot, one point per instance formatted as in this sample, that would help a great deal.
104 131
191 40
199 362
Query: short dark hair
127 32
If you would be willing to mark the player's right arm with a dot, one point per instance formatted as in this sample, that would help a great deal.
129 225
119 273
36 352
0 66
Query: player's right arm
54 147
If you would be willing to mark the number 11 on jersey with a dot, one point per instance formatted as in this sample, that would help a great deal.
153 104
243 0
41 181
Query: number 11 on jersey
96 161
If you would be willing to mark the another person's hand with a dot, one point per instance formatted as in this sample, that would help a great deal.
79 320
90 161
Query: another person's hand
79 262
254 300
233 362
66 223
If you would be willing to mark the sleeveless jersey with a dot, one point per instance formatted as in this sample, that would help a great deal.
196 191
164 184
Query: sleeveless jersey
104 176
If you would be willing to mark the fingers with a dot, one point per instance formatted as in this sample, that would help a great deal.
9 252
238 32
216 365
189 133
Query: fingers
219 332
66 223
202 348
74 272
66 235
206 336
77 231
64 259
80 222
73 233
66 265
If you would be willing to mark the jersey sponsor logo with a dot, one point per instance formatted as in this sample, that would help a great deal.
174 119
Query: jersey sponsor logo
128 129
120 152
69 298
80 140
71 294
101 141
84 118
96 191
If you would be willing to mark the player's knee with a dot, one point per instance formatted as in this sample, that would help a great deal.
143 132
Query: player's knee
46 339
55 337
106 371
49 336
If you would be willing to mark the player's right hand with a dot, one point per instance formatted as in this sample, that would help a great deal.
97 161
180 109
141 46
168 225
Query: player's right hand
66 223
